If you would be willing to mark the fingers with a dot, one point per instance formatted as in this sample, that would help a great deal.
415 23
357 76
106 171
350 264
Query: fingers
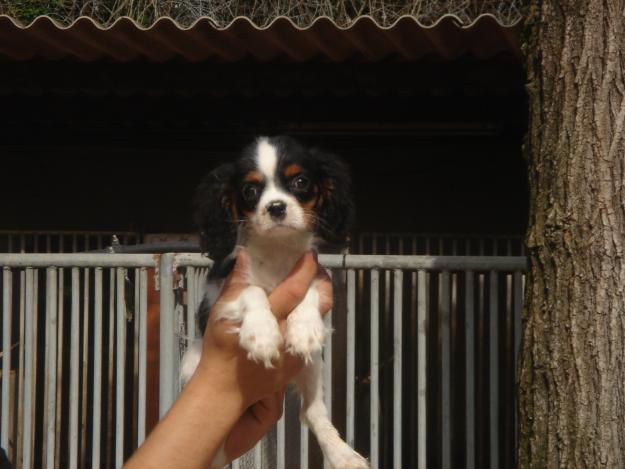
253 425
291 291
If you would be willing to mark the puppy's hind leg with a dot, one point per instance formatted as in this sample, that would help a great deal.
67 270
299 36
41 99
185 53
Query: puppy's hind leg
315 415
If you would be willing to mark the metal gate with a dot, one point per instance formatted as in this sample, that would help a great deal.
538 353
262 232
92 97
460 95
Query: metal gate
420 368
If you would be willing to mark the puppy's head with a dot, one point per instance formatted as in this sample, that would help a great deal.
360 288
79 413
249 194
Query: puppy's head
276 188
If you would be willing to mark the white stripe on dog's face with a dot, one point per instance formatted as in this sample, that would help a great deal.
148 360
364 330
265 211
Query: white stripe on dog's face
273 192
267 160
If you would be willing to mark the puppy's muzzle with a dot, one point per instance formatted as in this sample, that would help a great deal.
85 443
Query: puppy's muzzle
277 210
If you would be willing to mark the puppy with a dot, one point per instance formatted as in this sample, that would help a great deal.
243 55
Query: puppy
279 200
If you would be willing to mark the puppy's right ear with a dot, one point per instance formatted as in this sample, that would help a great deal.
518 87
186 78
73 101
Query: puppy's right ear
215 213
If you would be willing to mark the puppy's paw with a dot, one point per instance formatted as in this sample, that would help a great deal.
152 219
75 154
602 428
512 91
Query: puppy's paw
260 336
230 311
305 336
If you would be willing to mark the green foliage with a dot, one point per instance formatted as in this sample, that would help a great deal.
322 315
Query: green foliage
28 10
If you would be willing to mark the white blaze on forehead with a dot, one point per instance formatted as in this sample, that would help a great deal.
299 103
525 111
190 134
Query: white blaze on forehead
266 159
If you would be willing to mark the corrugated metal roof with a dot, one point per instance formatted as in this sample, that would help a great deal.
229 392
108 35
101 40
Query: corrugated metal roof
280 41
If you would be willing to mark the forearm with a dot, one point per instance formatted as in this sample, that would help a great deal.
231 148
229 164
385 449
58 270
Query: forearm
191 432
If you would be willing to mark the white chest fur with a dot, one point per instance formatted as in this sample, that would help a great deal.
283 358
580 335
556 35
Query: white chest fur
271 259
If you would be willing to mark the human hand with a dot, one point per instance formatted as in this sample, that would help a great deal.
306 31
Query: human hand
261 389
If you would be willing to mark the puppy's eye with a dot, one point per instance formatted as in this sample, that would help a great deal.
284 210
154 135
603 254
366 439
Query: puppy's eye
300 183
250 192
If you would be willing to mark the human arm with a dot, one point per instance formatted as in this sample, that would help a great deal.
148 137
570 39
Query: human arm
225 398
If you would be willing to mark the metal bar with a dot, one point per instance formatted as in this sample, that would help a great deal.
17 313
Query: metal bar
191 259
258 455
120 368
97 369
29 319
191 306
397 368
35 357
494 372
351 359
327 361
74 369
143 327
59 368
135 358
375 368
167 335
303 446
412 415
356 261
422 319
353 261
517 312
46 382
281 440
77 260
51 357
469 324
327 364
108 453
85 369
20 378
445 371
7 315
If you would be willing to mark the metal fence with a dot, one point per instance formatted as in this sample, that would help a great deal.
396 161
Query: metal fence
419 371
62 241
437 244
427 244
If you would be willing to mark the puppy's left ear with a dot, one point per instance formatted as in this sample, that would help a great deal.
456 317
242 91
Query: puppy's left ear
336 206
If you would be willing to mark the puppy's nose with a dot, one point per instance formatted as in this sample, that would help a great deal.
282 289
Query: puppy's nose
277 209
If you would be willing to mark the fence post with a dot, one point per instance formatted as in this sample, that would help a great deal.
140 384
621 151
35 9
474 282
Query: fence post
167 379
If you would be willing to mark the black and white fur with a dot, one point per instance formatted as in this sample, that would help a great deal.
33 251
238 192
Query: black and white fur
279 200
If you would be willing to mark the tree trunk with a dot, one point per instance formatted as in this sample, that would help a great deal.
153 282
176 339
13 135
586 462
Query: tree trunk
572 371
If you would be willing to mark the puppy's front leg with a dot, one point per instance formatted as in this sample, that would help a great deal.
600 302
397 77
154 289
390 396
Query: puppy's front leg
259 333
305 330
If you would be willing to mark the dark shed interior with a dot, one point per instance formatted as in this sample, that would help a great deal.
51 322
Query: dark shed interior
118 141
433 147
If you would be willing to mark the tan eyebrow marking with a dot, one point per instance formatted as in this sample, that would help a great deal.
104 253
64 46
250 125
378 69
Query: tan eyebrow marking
292 170
253 176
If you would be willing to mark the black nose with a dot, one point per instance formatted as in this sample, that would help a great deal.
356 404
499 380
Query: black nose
277 209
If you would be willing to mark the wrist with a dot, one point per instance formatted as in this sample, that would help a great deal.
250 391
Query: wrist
217 378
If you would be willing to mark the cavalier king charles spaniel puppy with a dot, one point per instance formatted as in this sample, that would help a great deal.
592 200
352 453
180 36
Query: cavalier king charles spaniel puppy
279 200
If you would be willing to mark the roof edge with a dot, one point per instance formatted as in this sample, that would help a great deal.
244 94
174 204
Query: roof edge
454 19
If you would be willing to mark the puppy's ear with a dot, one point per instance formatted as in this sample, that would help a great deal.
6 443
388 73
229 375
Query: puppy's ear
336 207
215 213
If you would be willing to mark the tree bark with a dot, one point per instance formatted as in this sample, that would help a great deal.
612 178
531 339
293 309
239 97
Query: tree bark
572 364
